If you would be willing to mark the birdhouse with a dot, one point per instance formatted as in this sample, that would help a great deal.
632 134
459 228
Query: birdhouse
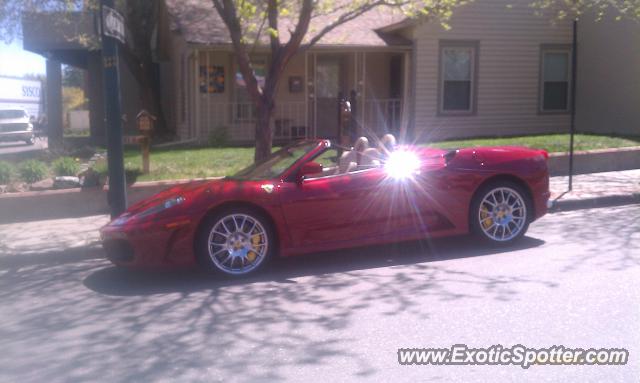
145 122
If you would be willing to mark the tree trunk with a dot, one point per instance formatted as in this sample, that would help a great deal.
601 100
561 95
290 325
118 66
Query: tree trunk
263 131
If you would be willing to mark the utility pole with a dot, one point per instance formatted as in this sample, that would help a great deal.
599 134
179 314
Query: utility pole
574 68
112 35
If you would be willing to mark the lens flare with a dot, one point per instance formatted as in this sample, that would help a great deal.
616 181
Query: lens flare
402 164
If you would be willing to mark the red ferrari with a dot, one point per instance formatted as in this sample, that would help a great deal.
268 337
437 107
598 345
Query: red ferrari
314 196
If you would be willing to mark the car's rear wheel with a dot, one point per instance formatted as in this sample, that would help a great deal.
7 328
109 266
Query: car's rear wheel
30 141
500 212
236 242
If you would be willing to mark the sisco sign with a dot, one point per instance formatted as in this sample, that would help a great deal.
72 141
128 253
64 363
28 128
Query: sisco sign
31 92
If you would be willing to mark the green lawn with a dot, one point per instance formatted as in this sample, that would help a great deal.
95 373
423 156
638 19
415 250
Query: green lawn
188 163
551 142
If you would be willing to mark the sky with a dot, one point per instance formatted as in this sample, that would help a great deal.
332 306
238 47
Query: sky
14 61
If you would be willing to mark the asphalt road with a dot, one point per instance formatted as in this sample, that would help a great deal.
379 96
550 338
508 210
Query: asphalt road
17 147
574 281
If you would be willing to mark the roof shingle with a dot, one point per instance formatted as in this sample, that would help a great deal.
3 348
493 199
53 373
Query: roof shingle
199 23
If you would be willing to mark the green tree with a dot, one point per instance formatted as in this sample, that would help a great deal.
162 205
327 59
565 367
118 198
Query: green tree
575 9
72 77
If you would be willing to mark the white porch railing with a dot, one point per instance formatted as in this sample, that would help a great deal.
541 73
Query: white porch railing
383 115
238 119
289 120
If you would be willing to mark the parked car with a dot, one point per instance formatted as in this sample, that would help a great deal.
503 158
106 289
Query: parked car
314 196
16 125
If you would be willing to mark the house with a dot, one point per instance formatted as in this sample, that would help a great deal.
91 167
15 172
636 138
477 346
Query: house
354 57
499 70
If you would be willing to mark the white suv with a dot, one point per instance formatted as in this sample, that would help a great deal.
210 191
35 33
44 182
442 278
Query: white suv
16 126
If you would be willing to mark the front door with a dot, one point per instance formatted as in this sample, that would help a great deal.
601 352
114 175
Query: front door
328 88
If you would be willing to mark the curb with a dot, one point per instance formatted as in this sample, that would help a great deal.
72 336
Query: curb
596 202
595 161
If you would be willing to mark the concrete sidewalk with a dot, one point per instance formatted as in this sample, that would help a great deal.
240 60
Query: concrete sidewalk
52 235
595 190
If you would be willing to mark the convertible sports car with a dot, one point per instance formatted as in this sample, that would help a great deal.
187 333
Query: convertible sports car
315 196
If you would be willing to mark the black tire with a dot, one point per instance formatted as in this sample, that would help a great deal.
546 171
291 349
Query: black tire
30 141
202 247
476 215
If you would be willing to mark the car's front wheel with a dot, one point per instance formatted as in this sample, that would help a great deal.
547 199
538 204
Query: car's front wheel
30 141
236 242
500 212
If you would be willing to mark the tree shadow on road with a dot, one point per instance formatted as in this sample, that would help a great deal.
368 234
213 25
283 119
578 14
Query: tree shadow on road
82 318
118 281
133 326
608 238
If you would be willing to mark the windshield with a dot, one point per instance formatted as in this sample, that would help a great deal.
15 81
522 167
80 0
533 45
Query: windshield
12 113
277 163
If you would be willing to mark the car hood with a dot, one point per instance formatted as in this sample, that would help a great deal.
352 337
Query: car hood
22 120
506 152
188 190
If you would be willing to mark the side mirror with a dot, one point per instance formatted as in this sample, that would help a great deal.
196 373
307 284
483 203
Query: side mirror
308 169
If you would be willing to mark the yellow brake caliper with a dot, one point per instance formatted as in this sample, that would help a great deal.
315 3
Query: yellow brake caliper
485 218
256 239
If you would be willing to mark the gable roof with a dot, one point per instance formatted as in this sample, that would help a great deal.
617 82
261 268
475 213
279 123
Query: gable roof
199 23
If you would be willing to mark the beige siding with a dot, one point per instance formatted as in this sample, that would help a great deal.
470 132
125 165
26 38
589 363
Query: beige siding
608 77
509 41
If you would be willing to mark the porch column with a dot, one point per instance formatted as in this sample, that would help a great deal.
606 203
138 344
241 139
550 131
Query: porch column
54 104
96 99
363 95
196 109
406 95
306 81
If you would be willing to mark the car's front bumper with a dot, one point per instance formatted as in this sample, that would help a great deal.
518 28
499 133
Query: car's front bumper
158 244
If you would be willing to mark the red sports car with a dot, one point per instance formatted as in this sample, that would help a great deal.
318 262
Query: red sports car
315 196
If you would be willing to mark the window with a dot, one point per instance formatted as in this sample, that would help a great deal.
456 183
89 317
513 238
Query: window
328 78
329 161
13 113
457 77
244 108
554 82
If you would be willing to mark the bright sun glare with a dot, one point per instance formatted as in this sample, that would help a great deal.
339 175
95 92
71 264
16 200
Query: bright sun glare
402 164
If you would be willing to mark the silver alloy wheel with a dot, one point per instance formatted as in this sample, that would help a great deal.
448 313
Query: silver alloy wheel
238 243
502 214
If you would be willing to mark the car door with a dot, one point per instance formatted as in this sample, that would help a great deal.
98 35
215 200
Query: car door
393 208
328 209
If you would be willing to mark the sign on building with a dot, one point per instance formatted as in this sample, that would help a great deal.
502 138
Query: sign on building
113 23
21 93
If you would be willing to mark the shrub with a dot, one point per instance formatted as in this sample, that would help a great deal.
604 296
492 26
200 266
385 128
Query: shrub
100 166
66 166
219 137
6 171
33 171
